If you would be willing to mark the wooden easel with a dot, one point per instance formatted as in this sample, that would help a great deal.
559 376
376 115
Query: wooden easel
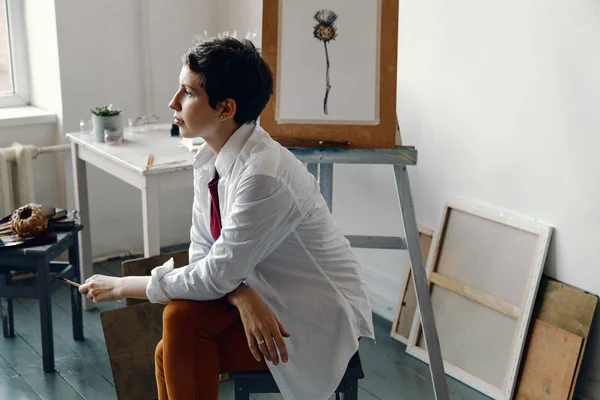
320 162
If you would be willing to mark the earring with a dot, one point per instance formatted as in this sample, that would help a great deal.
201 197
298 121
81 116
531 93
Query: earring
222 117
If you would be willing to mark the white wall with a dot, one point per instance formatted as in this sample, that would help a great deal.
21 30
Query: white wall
171 32
43 55
44 73
241 16
501 101
108 51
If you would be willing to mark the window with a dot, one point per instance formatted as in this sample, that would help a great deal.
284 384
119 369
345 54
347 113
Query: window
13 65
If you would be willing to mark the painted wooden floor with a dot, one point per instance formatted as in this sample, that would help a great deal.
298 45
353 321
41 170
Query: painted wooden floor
83 370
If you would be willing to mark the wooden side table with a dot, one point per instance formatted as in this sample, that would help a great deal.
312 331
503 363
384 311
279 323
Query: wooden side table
40 260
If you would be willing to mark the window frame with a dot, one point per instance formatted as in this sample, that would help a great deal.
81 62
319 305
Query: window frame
17 43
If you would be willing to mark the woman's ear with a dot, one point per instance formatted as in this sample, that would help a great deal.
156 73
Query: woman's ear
229 108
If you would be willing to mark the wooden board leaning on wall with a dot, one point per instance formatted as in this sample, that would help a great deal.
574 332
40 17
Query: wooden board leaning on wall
556 342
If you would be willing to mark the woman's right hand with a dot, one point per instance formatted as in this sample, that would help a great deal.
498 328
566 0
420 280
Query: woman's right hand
264 331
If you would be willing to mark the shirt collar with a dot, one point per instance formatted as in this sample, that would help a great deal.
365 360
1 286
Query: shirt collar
230 151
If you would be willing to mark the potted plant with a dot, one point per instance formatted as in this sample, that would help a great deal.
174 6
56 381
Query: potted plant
105 117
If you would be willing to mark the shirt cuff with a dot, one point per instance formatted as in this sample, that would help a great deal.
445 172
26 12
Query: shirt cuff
154 290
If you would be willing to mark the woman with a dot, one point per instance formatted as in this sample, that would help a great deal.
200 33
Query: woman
271 281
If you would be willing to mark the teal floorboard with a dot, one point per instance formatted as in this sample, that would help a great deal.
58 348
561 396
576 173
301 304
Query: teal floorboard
83 368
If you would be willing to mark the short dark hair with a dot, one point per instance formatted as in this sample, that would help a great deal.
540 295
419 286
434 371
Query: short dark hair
232 68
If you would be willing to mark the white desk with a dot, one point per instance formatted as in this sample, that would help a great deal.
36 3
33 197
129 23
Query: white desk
127 162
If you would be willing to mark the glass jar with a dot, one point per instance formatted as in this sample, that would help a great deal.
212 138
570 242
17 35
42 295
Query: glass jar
113 136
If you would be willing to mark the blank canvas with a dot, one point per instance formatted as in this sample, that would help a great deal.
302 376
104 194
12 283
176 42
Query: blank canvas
487 255
484 273
472 337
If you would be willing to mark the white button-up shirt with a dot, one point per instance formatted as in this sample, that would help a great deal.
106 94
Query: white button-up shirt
278 237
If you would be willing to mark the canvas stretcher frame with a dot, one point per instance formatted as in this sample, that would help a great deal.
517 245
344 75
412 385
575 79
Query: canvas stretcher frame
520 313
407 302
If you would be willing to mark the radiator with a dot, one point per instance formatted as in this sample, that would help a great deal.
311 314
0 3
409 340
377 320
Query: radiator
16 174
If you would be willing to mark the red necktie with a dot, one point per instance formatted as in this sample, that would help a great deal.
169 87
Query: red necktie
215 212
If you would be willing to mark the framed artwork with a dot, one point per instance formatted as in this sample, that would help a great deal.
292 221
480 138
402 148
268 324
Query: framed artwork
334 64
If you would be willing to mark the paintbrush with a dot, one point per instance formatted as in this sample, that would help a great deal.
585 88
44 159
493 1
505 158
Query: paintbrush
68 281
72 283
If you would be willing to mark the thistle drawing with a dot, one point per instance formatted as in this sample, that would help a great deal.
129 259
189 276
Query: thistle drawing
325 31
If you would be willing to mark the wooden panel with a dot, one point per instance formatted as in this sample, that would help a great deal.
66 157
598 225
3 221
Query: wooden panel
382 135
549 363
570 309
407 306
566 307
131 335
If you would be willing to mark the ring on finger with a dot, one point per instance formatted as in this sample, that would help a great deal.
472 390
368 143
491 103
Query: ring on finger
260 341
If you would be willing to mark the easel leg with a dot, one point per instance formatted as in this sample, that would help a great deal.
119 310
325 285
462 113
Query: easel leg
313 169
436 365
326 183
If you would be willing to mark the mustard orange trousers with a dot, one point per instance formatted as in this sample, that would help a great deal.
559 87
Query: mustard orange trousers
201 339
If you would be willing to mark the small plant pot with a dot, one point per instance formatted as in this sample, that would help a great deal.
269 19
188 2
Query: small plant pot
101 123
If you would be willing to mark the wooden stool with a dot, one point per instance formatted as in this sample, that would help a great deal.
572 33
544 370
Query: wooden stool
263 382
39 260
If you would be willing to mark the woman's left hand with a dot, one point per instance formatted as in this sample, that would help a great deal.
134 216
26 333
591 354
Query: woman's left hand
101 288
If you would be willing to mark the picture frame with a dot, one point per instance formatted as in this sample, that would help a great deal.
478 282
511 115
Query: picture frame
334 64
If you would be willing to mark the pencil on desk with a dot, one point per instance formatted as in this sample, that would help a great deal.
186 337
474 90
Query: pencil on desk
72 283
149 162
168 163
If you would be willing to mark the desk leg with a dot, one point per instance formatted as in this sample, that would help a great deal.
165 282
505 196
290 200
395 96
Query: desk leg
150 194
82 205
43 277
6 310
